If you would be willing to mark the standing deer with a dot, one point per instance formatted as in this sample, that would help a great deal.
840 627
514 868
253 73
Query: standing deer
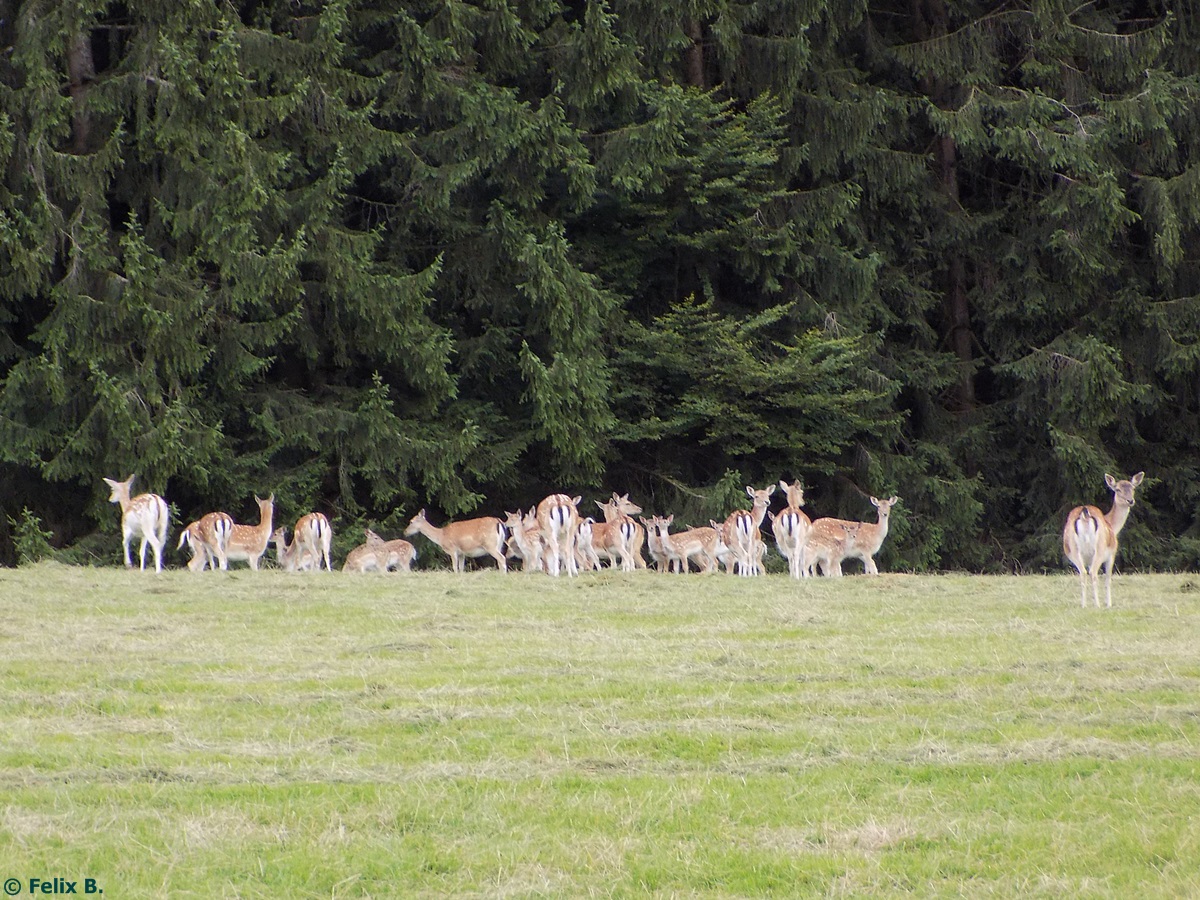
824 553
202 556
314 535
249 542
208 538
680 548
586 556
654 543
615 536
1090 537
145 516
470 538
558 516
858 540
293 557
791 528
525 539
742 536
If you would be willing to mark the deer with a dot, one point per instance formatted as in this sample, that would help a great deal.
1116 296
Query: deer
397 554
293 557
207 537
791 534
145 516
314 535
1090 537
654 542
679 549
525 539
615 536
824 553
791 528
202 556
365 557
378 555
740 533
860 540
722 552
249 542
586 556
710 542
635 546
658 553
470 538
558 516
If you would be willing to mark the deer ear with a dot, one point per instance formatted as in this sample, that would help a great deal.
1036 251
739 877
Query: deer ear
749 491
1137 479
1109 480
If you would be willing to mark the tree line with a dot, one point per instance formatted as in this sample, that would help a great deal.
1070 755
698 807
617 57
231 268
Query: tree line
459 254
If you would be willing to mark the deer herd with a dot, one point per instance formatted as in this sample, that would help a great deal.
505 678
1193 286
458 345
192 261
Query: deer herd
553 537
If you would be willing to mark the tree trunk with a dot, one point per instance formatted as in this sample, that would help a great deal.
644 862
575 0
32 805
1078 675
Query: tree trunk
81 68
694 55
930 20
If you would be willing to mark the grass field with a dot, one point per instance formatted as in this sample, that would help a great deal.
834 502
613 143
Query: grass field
270 735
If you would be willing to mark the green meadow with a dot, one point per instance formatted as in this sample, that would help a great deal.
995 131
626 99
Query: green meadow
268 735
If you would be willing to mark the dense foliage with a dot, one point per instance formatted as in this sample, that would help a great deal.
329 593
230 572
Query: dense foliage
374 256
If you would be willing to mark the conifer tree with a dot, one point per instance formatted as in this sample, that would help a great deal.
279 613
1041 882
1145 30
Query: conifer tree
1030 251
458 252
190 300
703 210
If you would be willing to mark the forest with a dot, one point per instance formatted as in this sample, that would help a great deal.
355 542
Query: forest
375 256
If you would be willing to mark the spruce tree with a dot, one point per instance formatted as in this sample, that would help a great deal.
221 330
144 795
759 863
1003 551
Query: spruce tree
460 253
1023 252
192 300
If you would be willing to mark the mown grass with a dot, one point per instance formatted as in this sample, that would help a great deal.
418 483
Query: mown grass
271 735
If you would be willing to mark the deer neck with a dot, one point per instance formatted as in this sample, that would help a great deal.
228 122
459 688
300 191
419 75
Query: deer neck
880 527
128 504
1117 516
613 513
430 531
